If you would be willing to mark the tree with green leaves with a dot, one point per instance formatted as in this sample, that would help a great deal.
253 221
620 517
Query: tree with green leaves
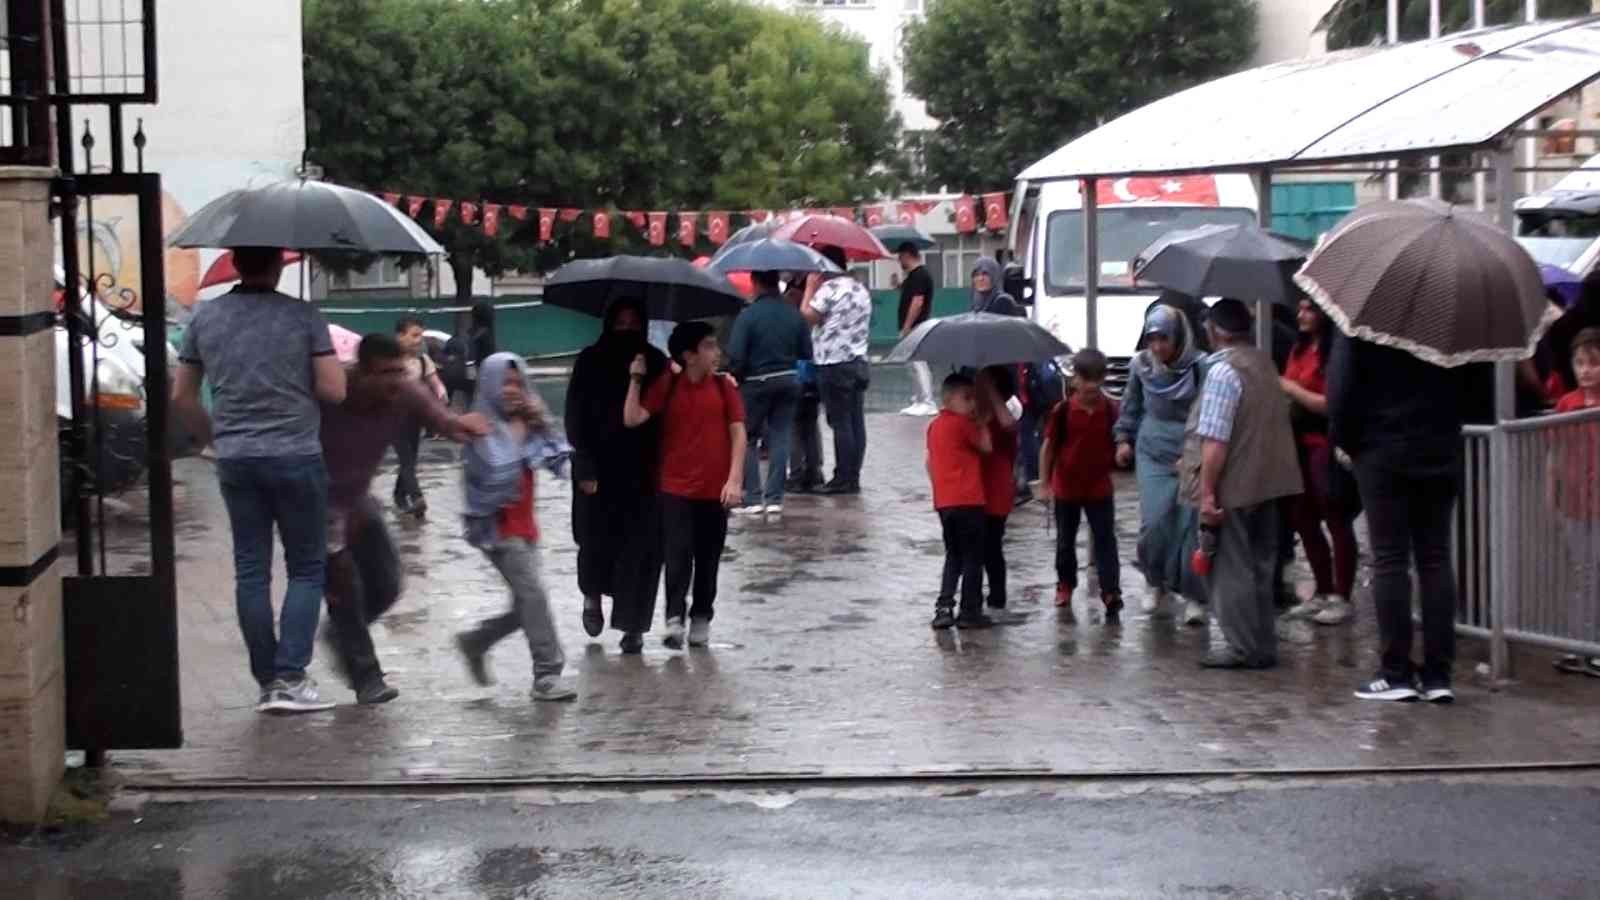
1358 23
592 104
1012 80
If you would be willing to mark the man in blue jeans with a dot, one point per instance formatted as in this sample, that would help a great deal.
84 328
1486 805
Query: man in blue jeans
839 311
769 341
269 359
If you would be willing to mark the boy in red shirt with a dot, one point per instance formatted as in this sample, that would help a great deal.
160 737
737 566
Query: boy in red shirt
1575 484
957 445
993 396
1075 471
702 470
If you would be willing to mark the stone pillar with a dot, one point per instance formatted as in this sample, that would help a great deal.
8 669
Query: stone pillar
32 679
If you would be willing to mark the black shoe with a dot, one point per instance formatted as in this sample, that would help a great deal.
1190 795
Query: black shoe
419 506
1224 659
995 603
943 618
632 643
375 691
837 488
594 620
1113 604
974 621
1437 690
467 643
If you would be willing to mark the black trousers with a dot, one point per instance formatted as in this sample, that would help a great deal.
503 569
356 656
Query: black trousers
1409 517
964 528
618 533
805 448
364 581
994 559
1103 543
406 448
695 532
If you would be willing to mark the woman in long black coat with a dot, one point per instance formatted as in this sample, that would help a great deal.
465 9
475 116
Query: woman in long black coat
614 516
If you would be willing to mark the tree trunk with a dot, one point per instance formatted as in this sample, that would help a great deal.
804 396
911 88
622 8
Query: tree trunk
461 266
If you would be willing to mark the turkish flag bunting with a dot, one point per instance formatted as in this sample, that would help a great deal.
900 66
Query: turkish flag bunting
966 214
491 219
636 217
602 225
570 215
994 212
905 215
1197 189
441 209
547 223
758 215
658 228
717 226
874 216
520 213
469 213
414 205
688 232
391 199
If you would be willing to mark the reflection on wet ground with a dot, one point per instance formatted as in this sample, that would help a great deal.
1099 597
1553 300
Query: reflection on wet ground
821 664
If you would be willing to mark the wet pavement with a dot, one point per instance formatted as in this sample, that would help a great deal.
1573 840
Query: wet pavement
822 665
1369 838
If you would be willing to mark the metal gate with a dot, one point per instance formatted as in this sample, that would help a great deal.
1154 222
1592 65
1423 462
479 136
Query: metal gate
73 68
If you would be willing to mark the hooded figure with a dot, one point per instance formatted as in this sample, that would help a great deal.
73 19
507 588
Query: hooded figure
614 516
994 300
493 464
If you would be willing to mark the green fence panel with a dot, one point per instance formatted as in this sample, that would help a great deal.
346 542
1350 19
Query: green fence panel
886 310
522 325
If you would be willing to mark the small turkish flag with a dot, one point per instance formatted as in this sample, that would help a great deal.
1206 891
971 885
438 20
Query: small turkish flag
636 217
717 227
874 216
570 215
602 225
658 228
758 215
391 199
520 213
547 223
491 219
441 209
905 215
994 212
688 232
966 214
469 213
414 205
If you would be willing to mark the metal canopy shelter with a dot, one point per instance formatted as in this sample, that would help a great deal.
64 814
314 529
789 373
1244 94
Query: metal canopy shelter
1469 90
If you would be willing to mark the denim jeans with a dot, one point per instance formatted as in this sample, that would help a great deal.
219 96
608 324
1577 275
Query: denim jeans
844 398
1409 516
1029 439
769 410
518 563
292 493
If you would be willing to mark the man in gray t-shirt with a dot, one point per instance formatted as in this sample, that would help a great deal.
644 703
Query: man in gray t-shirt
269 359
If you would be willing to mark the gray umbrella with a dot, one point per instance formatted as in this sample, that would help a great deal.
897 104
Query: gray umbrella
976 340
673 290
894 235
1239 261
771 255
304 215
755 231
1441 283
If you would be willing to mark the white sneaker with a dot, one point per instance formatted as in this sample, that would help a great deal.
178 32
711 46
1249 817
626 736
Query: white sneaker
754 509
551 688
1153 602
1336 611
914 409
674 637
1194 613
288 697
699 632
774 509
1306 609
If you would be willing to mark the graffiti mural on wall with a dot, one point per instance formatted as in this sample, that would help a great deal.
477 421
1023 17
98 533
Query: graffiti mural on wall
108 255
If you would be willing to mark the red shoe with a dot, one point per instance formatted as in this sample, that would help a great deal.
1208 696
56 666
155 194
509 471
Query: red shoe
1063 595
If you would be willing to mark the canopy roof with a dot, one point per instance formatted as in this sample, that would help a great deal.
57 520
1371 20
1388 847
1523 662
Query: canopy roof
1372 102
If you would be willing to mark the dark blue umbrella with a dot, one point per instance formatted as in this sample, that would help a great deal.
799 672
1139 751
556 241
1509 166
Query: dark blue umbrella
771 255
1564 284
673 290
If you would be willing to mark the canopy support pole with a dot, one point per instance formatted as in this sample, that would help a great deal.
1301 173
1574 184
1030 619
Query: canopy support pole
1505 373
1480 183
1091 261
1263 180
1435 181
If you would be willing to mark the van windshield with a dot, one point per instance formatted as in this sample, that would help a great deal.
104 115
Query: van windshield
1556 237
1124 231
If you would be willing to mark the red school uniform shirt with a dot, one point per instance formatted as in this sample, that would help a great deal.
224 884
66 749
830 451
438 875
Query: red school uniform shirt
517 520
696 450
1082 470
1577 463
999 471
1305 368
955 464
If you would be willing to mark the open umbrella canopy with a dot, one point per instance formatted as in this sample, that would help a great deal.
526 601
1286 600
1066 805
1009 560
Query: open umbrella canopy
892 236
1240 261
672 289
771 254
304 215
1441 283
813 230
976 340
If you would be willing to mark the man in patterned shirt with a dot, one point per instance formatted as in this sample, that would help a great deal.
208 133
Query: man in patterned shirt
1239 459
839 310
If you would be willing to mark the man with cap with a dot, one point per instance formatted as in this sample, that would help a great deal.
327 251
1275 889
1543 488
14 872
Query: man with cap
1238 461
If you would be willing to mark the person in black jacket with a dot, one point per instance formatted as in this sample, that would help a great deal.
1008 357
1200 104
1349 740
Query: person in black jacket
614 515
1400 419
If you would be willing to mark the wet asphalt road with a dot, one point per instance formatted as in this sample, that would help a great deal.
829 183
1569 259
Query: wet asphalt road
1423 838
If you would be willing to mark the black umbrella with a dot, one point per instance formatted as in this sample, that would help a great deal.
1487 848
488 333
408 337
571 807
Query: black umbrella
895 235
976 340
304 215
771 255
1239 261
673 290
